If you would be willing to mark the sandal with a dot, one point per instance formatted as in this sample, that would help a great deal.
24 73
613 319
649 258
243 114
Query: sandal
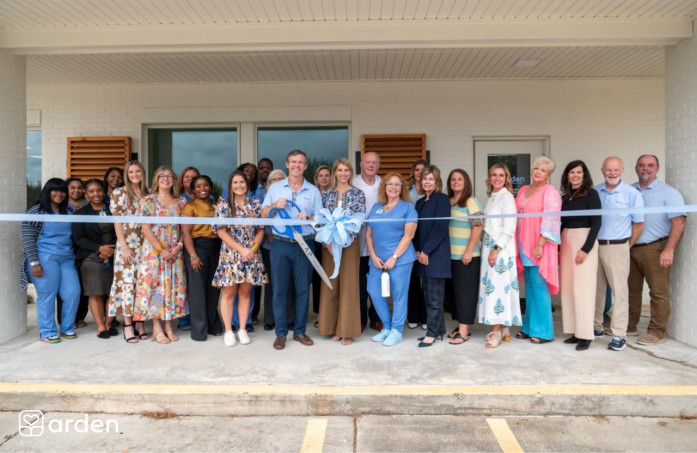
536 340
157 336
493 339
80 323
458 339
171 335
346 341
522 336
104 335
506 334
455 331
141 335
132 339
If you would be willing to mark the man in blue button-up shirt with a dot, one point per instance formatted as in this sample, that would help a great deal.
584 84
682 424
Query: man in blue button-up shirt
287 258
617 235
652 255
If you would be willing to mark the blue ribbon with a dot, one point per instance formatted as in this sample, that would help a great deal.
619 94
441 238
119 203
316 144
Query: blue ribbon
339 230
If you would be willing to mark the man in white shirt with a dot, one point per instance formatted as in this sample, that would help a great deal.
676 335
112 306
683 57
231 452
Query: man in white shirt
368 181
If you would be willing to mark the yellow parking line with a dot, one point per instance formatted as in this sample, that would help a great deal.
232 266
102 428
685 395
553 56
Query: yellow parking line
504 435
314 435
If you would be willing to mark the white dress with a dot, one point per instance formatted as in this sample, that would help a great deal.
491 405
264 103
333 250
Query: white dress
499 296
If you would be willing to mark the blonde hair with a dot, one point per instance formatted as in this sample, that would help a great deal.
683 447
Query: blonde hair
319 169
341 161
545 160
435 171
156 180
382 188
506 171
131 196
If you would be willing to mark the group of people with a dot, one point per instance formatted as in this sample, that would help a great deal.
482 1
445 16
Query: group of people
439 248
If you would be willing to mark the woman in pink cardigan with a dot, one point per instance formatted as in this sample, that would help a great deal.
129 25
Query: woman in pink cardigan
538 241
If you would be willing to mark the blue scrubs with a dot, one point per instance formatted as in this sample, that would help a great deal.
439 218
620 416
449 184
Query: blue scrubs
386 238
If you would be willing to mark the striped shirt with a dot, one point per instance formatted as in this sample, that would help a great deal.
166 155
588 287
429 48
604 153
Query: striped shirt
461 230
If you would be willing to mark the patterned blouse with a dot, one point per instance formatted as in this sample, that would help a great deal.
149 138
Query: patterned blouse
353 200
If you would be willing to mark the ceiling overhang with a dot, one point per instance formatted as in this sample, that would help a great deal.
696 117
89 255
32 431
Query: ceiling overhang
308 36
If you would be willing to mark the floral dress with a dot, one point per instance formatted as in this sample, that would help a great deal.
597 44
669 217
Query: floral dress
123 290
161 287
231 270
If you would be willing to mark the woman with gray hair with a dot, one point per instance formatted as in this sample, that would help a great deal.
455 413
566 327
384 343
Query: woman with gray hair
538 241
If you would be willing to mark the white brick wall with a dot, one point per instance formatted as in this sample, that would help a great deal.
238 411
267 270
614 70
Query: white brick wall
681 164
13 321
584 118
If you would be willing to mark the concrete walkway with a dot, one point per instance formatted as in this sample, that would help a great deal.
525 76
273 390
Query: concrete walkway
188 377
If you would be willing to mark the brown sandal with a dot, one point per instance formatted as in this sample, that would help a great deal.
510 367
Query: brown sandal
157 337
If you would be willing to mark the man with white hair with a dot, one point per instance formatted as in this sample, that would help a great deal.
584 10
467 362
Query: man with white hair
369 182
617 235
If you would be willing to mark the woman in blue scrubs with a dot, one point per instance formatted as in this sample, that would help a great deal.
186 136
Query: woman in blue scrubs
391 250
48 260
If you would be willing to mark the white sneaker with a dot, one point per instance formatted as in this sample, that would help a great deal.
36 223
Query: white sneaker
424 326
413 325
229 338
242 335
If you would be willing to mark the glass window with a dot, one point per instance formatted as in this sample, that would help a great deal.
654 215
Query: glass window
33 166
323 145
212 150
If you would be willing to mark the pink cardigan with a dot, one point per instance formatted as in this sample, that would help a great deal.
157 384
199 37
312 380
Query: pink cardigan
529 230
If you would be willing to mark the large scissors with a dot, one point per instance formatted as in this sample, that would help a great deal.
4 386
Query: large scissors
295 232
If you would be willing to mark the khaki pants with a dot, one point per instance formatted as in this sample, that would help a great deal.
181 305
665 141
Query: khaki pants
577 302
613 265
644 264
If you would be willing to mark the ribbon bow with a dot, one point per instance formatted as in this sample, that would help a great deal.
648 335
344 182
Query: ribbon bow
339 229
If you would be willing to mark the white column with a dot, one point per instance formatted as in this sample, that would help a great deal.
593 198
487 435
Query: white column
13 173
681 168
247 143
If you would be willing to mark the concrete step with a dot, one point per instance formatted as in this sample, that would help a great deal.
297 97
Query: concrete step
317 400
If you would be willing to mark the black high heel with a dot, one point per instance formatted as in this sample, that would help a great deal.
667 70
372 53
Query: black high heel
144 334
129 339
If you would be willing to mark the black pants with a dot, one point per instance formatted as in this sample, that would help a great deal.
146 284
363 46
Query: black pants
463 290
434 290
366 313
268 294
416 308
203 296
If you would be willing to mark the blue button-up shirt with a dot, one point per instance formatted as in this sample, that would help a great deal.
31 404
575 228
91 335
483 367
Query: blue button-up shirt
656 194
307 198
619 226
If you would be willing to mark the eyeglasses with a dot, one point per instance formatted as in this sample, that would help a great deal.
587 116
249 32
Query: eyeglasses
394 184
166 176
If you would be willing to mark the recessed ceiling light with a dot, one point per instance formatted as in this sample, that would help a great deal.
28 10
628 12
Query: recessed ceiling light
526 63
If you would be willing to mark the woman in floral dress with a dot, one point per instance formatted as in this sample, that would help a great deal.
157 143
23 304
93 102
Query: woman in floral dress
240 265
129 238
161 288
498 304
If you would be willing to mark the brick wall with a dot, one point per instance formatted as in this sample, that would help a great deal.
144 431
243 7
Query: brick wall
584 118
680 167
13 321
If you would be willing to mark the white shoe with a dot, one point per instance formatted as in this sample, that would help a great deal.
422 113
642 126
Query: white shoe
424 326
412 325
242 335
229 338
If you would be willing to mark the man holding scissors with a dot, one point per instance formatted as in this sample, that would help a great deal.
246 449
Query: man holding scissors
288 259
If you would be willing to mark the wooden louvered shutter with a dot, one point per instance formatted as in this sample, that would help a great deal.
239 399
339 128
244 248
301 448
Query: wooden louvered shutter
89 157
397 151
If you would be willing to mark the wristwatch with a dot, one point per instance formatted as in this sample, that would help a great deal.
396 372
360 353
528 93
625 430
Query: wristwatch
34 263
395 256
496 247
